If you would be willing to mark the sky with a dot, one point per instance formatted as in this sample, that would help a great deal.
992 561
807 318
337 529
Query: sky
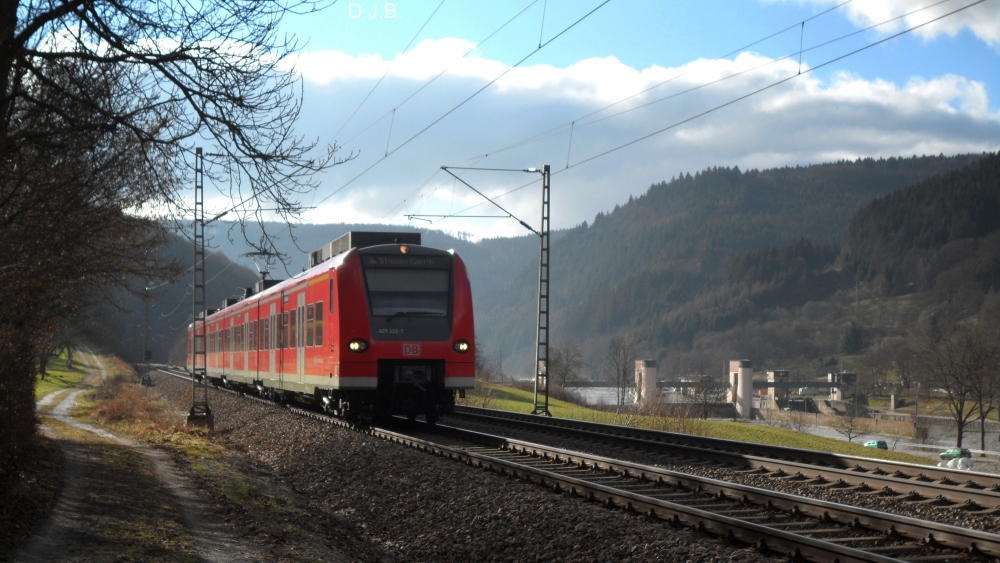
621 95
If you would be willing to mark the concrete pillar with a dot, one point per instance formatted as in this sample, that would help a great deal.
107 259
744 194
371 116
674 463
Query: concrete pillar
741 387
645 381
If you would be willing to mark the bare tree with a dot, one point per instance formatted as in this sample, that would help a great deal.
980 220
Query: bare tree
565 363
797 420
101 103
985 392
851 422
489 364
957 359
874 368
620 360
707 392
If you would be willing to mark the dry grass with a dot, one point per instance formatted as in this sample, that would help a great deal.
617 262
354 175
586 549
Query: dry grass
120 401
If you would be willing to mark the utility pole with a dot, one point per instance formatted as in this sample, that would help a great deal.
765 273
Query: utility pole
147 355
542 335
200 413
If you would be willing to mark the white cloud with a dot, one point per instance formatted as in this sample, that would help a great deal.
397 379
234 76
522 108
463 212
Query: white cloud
805 120
983 20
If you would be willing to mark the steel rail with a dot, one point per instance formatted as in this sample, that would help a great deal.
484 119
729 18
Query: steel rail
918 482
894 528
711 506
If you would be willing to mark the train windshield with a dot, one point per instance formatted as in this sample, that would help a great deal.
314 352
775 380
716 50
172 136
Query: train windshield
398 292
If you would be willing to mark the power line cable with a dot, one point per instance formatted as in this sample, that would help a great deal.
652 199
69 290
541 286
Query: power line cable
772 85
372 91
559 129
432 80
463 102
740 98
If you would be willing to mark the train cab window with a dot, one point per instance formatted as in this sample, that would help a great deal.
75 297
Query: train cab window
293 324
407 291
310 324
319 324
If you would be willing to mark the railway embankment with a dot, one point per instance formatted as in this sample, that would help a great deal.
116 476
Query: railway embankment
412 506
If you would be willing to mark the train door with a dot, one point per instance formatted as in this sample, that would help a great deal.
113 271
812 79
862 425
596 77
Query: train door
282 344
231 344
300 342
271 344
246 343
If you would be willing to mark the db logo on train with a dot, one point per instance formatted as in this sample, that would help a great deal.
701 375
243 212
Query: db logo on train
411 349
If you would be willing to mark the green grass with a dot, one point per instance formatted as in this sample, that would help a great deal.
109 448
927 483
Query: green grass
59 377
516 400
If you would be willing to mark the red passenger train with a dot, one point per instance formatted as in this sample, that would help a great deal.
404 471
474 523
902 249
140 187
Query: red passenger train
378 325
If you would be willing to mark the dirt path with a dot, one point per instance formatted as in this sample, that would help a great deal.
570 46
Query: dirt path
123 501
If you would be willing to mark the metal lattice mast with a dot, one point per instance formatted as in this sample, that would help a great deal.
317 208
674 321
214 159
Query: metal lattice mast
200 412
542 337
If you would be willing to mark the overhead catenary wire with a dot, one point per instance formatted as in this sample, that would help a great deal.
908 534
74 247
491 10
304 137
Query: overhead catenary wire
541 30
463 102
559 129
440 74
776 83
372 91
738 99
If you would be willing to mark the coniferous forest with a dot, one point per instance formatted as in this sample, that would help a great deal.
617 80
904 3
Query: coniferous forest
806 268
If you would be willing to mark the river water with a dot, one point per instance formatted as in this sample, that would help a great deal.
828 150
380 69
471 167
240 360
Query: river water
609 396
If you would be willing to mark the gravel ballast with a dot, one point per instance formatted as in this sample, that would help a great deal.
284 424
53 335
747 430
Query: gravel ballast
385 501
955 515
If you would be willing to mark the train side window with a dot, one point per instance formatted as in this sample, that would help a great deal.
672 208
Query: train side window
284 330
310 324
319 323
293 333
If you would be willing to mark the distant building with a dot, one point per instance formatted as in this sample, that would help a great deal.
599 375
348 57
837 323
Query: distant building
780 392
848 387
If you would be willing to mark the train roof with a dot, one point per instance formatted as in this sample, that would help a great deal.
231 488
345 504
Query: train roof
328 257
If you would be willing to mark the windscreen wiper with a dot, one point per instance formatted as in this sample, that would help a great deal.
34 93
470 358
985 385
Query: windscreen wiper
413 314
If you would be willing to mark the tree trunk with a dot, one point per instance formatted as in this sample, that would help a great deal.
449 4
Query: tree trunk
43 360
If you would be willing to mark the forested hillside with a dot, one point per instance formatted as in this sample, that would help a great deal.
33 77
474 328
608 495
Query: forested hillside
940 234
121 325
699 256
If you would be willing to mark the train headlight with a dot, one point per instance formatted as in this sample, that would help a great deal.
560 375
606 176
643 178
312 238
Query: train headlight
357 345
462 346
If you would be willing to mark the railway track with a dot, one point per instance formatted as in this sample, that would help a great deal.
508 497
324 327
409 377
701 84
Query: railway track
801 528
914 483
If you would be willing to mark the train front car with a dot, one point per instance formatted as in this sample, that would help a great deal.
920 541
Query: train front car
420 339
